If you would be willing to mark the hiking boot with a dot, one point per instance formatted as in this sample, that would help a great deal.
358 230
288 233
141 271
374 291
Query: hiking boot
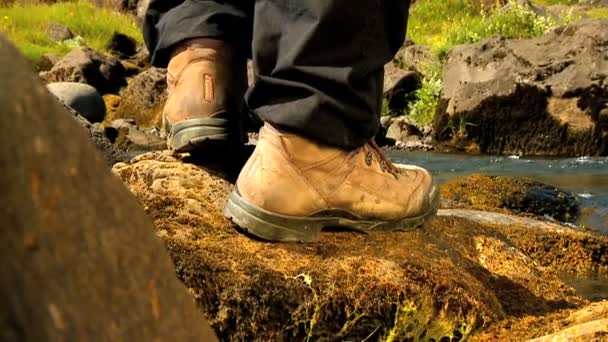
206 81
292 187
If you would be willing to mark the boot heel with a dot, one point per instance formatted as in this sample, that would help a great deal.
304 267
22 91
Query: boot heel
201 134
273 227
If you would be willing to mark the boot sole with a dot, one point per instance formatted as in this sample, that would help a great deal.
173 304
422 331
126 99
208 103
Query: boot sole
200 135
276 227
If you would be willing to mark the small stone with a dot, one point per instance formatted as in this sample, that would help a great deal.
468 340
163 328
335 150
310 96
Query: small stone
81 97
122 45
144 98
47 61
402 129
85 65
59 32
399 87
120 123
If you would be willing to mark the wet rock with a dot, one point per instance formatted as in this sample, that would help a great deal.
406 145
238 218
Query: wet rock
86 65
122 45
444 282
538 96
399 87
79 258
144 98
81 97
510 194
58 32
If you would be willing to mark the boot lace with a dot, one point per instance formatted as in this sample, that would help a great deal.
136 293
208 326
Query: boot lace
373 150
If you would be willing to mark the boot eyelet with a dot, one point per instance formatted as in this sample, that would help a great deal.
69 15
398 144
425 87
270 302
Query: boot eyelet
368 159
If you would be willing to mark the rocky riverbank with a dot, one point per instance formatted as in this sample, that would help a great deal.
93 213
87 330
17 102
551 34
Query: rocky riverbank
499 96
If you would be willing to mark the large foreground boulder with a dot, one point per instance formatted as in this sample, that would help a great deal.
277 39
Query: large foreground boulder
455 277
79 257
544 96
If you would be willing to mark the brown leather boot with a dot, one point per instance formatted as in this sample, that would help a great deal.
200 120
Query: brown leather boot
206 81
291 188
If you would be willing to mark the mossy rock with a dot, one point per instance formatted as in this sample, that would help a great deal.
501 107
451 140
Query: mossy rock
446 281
508 194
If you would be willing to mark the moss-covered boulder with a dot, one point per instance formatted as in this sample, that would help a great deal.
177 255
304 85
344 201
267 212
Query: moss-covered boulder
453 278
519 195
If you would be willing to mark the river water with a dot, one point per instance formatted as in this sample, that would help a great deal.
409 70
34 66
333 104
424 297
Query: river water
586 177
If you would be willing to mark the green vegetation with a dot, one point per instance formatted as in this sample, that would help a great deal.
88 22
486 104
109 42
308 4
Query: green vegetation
445 24
555 2
25 26
423 109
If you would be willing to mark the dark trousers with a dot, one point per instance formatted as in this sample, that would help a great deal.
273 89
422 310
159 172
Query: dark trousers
318 63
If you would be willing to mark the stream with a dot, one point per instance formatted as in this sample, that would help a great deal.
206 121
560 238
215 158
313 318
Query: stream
585 177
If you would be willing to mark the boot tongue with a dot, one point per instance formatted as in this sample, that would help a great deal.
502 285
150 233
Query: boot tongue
300 150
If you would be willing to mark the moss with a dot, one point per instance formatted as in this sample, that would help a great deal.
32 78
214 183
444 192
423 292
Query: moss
420 284
518 195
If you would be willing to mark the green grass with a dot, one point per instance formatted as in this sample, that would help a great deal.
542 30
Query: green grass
598 13
25 26
445 24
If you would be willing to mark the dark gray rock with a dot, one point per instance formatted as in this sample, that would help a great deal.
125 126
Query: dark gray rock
79 256
402 129
407 135
85 65
59 32
122 45
81 97
400 87
538 96
99 136
415 57
47 61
